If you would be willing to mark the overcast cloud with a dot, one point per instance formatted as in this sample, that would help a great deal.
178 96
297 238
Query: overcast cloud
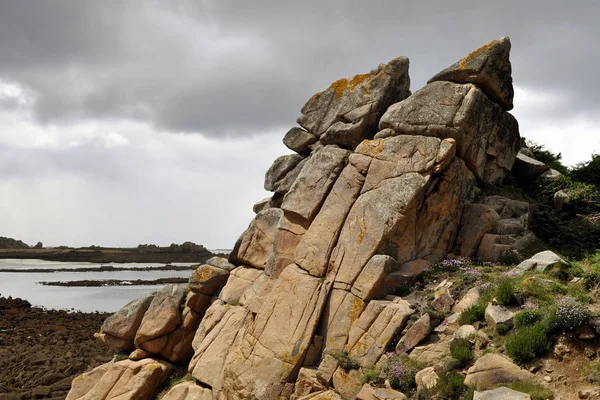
154 121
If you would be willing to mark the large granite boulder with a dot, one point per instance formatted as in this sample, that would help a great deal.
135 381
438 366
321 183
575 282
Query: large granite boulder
487 137
541 262
123 380
489 68
118 331
349 110
492 369
283 172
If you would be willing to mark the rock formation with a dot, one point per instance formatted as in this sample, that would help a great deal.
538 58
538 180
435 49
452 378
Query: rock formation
382 185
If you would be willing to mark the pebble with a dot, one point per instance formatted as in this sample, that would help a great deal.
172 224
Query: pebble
548 378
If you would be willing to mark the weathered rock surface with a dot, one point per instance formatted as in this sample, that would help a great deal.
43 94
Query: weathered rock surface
188 391
122 380
347 383
299 140
487 137
492 369
313 252
527 167
433 352
417 332
208 279
375 329
541 262
275 344
239 281
495 315
427 378
349 110
502 393
489 68
312 185
477 220
118 331
469 300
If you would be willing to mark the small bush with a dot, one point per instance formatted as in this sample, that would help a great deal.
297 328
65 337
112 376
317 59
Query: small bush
344 360
502 329
450 386
400 375
527 318
469 394
435 314
570 314
473 314
527 343
505 293
460 349
370 375
509 257
535 390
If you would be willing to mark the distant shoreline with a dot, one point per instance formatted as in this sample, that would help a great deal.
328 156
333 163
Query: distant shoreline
106 255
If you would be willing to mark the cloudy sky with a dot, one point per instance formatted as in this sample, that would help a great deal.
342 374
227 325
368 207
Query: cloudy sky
126 122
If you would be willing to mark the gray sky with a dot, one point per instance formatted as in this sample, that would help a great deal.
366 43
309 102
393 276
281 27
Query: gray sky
154 121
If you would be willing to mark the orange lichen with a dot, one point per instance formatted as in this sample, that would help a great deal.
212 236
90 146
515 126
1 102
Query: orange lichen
341 85
356 309
462 64
204 274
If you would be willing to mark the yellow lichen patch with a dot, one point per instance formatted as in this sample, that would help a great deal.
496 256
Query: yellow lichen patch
356 309
462 64
339 86
361 235
357 80
205 274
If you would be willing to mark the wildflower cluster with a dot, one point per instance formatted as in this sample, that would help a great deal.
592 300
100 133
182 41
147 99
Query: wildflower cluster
570 314
400 375
453 264
470 271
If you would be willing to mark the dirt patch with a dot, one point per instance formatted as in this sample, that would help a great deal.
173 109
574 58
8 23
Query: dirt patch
42 351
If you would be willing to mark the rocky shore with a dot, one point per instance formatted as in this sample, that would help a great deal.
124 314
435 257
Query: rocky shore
41 351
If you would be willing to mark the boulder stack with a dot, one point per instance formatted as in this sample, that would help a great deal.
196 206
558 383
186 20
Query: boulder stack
380 184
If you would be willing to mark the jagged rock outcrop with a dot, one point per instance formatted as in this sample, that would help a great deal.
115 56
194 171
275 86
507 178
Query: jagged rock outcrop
382 187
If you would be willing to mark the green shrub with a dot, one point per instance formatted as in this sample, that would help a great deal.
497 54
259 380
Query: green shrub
527 318
535 390
527 343
472 314
344 360
370 375
505 293
570 314
469 394
400 374
450 386
509 257
502 329
460 349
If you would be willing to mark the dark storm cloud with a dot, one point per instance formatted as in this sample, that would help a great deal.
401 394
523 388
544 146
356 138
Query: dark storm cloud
239 67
